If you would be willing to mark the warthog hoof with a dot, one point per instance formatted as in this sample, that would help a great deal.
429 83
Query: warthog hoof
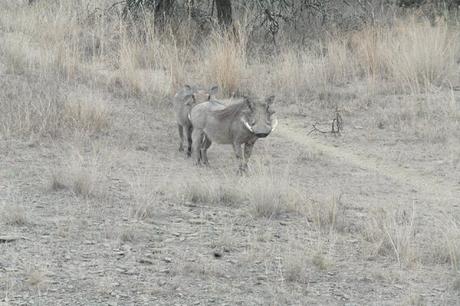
188 154
181 148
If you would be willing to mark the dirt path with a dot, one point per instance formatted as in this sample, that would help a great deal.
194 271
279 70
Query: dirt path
428 186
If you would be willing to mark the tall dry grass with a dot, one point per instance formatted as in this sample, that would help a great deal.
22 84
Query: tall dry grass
65 41
225 61
413 55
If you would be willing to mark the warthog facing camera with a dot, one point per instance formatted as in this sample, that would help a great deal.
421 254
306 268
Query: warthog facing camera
237 124
183 102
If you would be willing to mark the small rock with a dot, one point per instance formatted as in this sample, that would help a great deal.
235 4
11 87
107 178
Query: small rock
196 221
167 259
6 239
142 147
145 261
261 277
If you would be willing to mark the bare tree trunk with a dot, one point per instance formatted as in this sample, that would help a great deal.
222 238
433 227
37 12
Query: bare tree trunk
224 12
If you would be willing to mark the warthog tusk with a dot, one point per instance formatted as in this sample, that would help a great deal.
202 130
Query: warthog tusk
275 124
189 117
246 124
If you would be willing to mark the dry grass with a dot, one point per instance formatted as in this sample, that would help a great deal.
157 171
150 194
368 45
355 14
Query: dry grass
420 55
36 278
296 267
82 176
39 107
144 195
90 115
270 195
393 234
446 247
211 189
13 214
128 234
225 62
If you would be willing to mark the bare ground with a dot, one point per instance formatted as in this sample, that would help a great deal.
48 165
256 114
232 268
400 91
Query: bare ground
132 236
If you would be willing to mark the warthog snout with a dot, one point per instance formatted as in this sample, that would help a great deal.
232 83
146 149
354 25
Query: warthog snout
262 135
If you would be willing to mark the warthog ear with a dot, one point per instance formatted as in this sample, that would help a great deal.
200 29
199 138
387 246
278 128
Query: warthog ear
249 103
188 87
270 100
213 90
189 99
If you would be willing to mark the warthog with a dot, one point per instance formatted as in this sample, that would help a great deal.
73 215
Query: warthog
236 124
183 102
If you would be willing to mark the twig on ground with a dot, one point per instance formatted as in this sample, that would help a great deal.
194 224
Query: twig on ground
336 125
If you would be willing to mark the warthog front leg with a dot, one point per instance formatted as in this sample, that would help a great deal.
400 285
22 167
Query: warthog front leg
181 136
239 156
188 133
247 152
197 138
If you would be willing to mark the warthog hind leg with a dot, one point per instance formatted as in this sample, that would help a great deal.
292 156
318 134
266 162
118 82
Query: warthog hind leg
189 140
181 136
197 138
206 143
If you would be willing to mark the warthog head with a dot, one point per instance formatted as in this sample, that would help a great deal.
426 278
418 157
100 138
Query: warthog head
258 117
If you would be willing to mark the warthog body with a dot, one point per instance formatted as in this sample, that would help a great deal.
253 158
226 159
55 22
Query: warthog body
237 124
183 102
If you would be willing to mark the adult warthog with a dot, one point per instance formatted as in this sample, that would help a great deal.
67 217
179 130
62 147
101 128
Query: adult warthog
183 101
237 124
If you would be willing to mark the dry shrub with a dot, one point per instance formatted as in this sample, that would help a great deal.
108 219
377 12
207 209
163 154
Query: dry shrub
225 62
270 195
296 266
296 72
30 108
445 248
144 195
325 215
128 75
211 189
393 234
128 234
15 56
89 115
13 214
66 60
39 107
338 65
82 176
36 278
414 54
420 55
177 59
432 118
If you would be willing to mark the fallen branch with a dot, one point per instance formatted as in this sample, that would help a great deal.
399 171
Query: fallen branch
336 125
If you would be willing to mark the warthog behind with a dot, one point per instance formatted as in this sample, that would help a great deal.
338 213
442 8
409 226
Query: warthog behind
237 124
183 102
